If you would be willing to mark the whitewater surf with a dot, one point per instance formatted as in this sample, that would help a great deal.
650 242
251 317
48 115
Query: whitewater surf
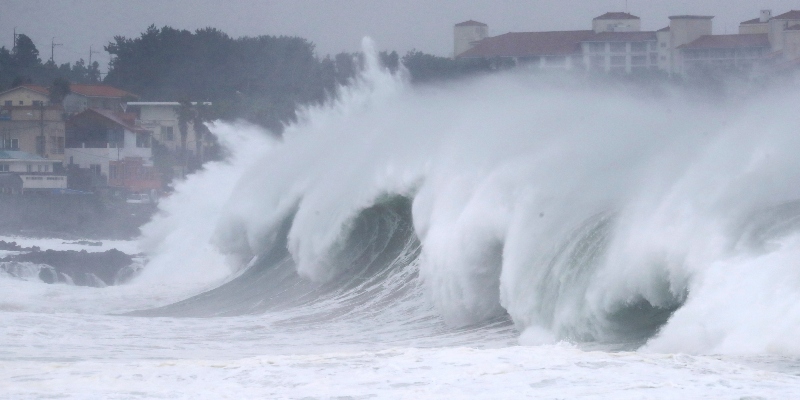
512 235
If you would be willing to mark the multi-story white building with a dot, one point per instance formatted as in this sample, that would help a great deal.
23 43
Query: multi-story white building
616 44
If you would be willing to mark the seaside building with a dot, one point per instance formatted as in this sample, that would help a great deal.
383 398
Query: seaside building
105 149
24 172
616 44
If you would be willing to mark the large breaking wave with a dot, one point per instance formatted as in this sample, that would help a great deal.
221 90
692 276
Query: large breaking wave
579 211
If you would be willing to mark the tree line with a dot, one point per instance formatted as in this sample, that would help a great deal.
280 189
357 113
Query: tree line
261 79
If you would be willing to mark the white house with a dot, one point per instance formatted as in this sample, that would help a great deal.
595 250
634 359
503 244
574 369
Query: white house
36 173
97 137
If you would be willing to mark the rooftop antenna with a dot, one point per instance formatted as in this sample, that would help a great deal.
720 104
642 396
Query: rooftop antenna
14 50
53 45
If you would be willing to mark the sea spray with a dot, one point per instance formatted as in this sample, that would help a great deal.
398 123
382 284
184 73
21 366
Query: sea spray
583 212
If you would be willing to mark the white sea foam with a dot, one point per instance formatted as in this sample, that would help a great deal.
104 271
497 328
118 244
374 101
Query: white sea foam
589 213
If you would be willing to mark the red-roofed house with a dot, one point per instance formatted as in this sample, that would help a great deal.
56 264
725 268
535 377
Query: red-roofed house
559 49
103 97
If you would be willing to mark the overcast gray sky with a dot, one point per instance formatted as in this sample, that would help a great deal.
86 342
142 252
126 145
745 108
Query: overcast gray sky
338 25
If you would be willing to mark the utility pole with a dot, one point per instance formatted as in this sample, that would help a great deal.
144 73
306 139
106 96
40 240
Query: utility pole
41 145
53 45
14 49
90 54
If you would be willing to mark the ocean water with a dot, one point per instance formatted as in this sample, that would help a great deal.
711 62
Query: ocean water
508 236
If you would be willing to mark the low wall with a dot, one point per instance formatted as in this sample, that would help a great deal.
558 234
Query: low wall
71 216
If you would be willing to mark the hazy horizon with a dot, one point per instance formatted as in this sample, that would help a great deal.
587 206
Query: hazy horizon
336 26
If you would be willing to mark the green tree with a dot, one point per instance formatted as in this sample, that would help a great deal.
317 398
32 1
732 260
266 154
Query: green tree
59 89
26 54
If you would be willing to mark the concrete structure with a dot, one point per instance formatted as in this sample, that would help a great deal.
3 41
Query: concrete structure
36 173
466 34
684 29
756 25
621 52
33 129
729 53
25 95
161 118
616 44
616 22
97 137
100 97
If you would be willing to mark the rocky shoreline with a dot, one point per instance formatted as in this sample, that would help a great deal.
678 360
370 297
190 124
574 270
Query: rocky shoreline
81 268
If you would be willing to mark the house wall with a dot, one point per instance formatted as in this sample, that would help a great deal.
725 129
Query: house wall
754 28
616 25
664 50
154 117
26 125
22 96
683 30
620 57
464 36
86 157
43 181
777 28
791 44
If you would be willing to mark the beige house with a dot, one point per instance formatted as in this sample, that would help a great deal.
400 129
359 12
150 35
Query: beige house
25 95
36 129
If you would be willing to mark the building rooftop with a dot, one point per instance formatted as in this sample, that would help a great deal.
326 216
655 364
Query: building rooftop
90 90
471 23
729 41
641 36
665 29
36 88
752 21
691 17
123 120
793 14
616 15
20 155
526 44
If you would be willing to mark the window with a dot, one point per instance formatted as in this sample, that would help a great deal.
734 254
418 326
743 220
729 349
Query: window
638 60
619 47
4 167
618 60
29 168
143 140
638 47
37 103
9 103
96 169
40 144
597 47
21 102
167 134
39 168
57 144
